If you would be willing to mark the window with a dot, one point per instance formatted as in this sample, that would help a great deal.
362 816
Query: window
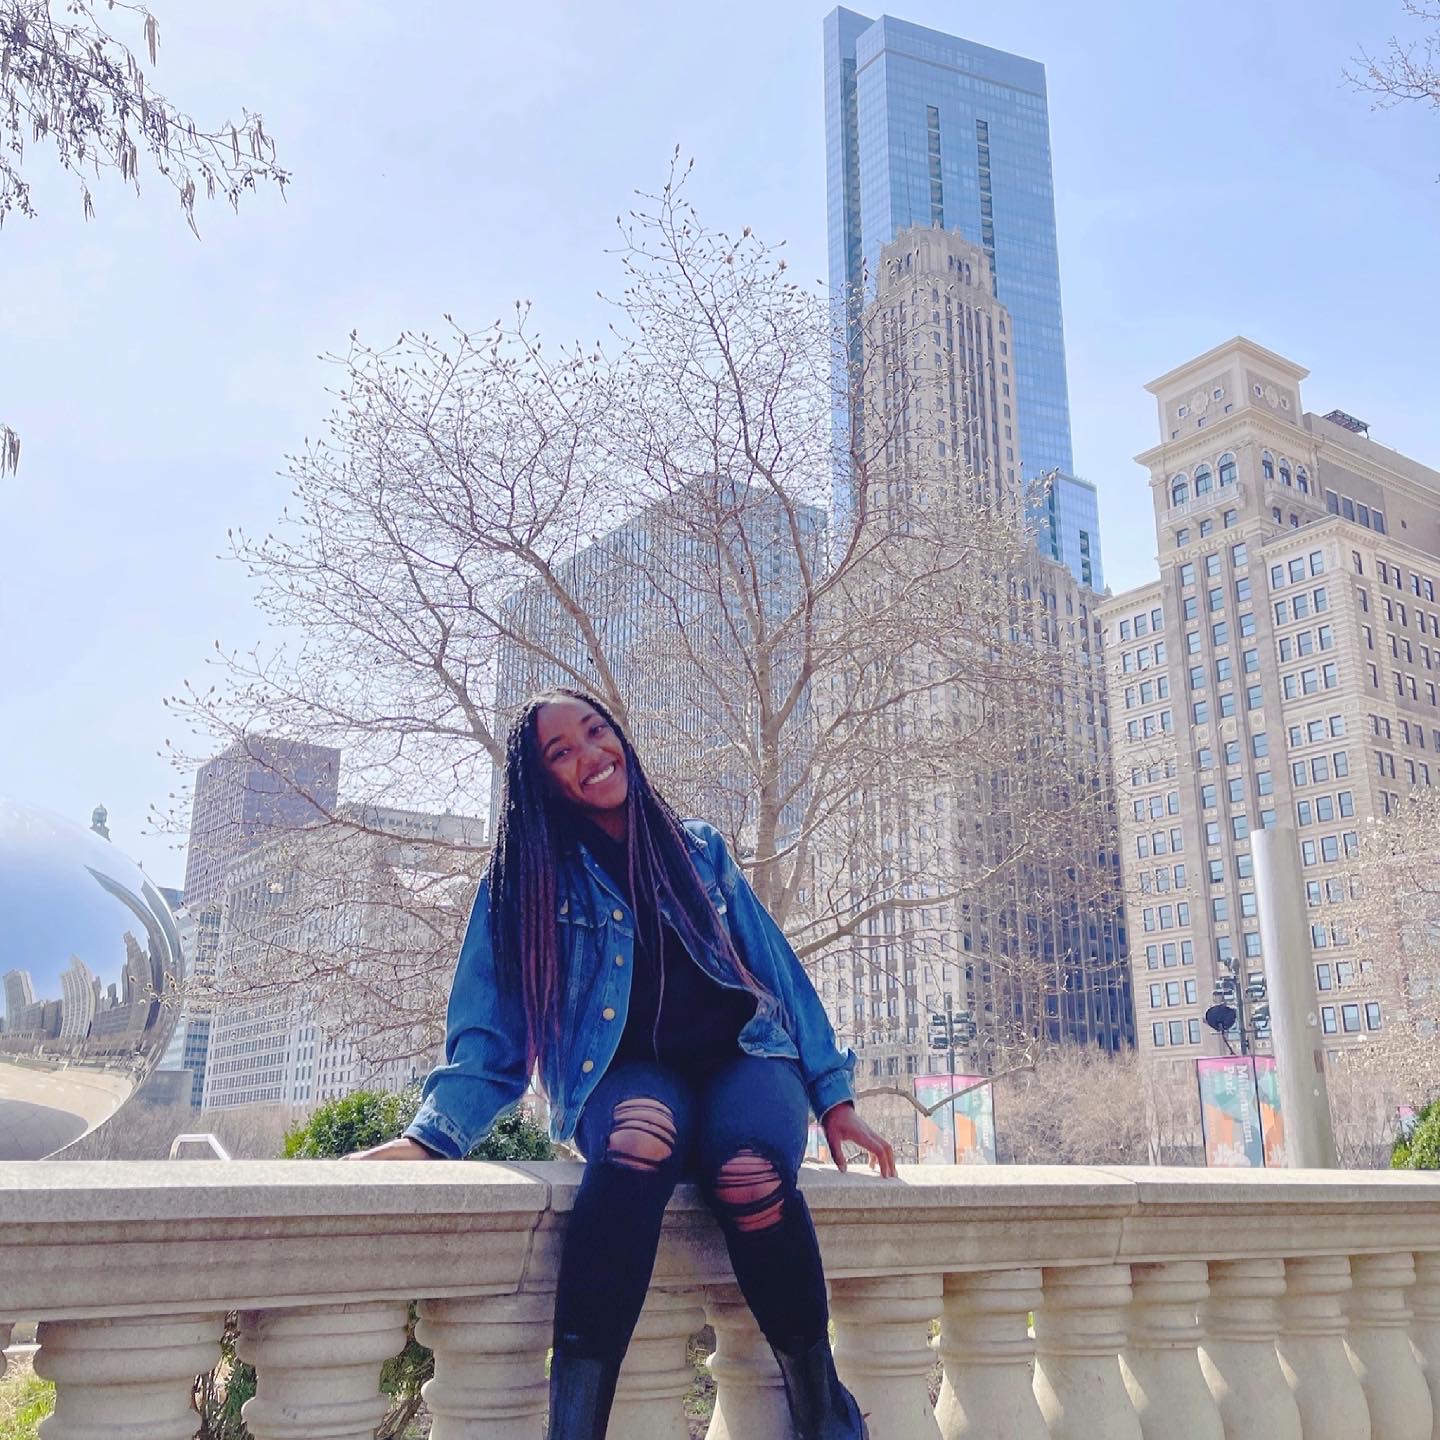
1187 574
1179 490
1202 479
1254 698
1372 1015
1350 1019
1327 1020
1227 471
1219 633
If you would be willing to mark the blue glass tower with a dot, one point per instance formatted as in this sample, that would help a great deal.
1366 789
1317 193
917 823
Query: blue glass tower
925 128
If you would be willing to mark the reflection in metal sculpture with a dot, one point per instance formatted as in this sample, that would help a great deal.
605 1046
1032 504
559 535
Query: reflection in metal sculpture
90 969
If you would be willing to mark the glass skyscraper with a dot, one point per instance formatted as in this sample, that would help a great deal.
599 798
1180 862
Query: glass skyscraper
925 128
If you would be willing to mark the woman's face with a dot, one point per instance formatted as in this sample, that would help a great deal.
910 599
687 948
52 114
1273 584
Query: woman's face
581 754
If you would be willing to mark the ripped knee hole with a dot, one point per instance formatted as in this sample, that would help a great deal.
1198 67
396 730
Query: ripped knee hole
642 1135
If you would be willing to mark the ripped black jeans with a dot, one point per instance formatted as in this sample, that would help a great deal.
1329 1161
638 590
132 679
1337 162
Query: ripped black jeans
738 1131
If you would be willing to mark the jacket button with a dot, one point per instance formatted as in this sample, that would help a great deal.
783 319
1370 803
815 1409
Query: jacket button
619 959
617 914
608 1013
588 1066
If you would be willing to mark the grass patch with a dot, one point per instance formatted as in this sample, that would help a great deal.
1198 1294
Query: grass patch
25 1400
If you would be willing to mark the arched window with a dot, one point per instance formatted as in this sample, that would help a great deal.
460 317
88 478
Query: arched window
1179 490
1275 511
1202 479
1227 469
1267 464
1285 476
1302 480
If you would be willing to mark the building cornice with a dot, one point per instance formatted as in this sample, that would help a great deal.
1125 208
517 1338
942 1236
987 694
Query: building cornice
1164 457
1211 358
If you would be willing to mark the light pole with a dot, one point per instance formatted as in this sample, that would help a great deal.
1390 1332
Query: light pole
1232 993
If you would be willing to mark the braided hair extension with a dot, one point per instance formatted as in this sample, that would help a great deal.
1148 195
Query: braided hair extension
529 842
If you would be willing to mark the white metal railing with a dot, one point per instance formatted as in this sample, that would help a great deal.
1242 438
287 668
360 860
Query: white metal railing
1167 1304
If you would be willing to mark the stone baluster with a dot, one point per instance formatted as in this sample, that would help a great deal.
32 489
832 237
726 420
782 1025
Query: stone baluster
6 1327
749 1394
882 1350
318 1369
130 1379
1237 1352
1425 1328
986 1354
1079 1333
1380 1350
658 1373
489 1381
1160 1364
1312 1352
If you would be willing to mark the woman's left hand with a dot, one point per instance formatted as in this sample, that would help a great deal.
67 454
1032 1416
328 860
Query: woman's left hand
842 1123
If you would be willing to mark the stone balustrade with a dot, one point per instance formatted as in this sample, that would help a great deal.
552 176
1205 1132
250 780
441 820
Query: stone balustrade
1166 1304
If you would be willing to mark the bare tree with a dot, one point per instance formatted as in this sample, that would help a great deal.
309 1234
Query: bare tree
1394 917
652 519
69 84
1407 70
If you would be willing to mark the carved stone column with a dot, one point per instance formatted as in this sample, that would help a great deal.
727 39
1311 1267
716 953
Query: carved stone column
749 1394
489 1381
882 1350
1312 1351
1425 1327
1079 1333
657 1373
1379 1340
318 1369
986 1354
1160 1363
129 1379
1237 1352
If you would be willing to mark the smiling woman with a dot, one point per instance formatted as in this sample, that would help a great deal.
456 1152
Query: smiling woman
677 1036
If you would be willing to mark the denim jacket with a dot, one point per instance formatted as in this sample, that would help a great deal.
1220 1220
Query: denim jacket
484 1072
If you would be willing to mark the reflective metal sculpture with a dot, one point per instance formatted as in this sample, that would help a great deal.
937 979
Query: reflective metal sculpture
90 962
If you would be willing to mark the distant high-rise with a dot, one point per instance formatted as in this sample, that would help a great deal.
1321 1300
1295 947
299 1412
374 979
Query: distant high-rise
245 797
19 996
924 128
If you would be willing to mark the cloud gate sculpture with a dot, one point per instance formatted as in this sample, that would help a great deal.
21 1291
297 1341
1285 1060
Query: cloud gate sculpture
90 969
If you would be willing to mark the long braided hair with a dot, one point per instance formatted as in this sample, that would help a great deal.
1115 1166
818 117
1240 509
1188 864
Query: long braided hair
529 843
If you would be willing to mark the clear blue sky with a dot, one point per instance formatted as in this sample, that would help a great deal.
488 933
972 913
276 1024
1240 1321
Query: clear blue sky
1212 176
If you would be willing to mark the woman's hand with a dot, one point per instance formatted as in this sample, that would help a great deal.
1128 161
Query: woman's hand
401 1149
842 1123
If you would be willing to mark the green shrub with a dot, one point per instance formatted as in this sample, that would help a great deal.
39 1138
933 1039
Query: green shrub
1418 1146
369 1117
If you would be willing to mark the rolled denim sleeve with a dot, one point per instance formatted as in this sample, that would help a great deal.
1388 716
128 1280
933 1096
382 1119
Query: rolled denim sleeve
484 1071
827 1069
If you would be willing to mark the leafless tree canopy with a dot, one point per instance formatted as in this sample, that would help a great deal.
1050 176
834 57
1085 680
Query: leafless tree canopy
650 518
1407 69
1395 920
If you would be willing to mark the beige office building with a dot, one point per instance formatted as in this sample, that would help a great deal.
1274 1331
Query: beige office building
1283 668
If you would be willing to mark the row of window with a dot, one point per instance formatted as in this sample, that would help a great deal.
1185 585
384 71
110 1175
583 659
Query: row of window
1301 606
1294 571
1170 993
1166 917
1420 586
1349 1018
1350 509
1142 624
1169 954
1259 748
1305 642
1162 842
1235 789
1316 730
1379 725
1206 527
1143 657
1323 808
1174 1032
1320 768
1210 564
1327 848
1226 704
1182 487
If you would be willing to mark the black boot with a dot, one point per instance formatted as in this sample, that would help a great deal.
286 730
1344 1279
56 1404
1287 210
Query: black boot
581 1393
821 1408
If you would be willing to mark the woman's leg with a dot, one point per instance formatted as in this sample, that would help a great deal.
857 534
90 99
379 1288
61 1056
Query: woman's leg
635 1132
754 1115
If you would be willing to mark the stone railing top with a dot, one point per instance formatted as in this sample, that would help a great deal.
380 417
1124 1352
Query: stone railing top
110 1237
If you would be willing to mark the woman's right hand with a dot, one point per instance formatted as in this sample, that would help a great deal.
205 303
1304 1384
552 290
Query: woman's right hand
401 1149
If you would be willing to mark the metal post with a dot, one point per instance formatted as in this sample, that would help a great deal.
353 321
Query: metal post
1294 1025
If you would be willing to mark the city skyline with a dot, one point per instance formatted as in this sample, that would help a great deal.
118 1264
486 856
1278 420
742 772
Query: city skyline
1181 220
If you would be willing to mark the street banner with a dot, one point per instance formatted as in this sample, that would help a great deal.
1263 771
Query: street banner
1272 1122
960 1133
1229 1112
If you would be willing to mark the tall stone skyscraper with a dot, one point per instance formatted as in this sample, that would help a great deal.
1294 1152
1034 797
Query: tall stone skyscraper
1282 668
1034 952
927 129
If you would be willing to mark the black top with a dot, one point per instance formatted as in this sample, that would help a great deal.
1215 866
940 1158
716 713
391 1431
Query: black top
694 1022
